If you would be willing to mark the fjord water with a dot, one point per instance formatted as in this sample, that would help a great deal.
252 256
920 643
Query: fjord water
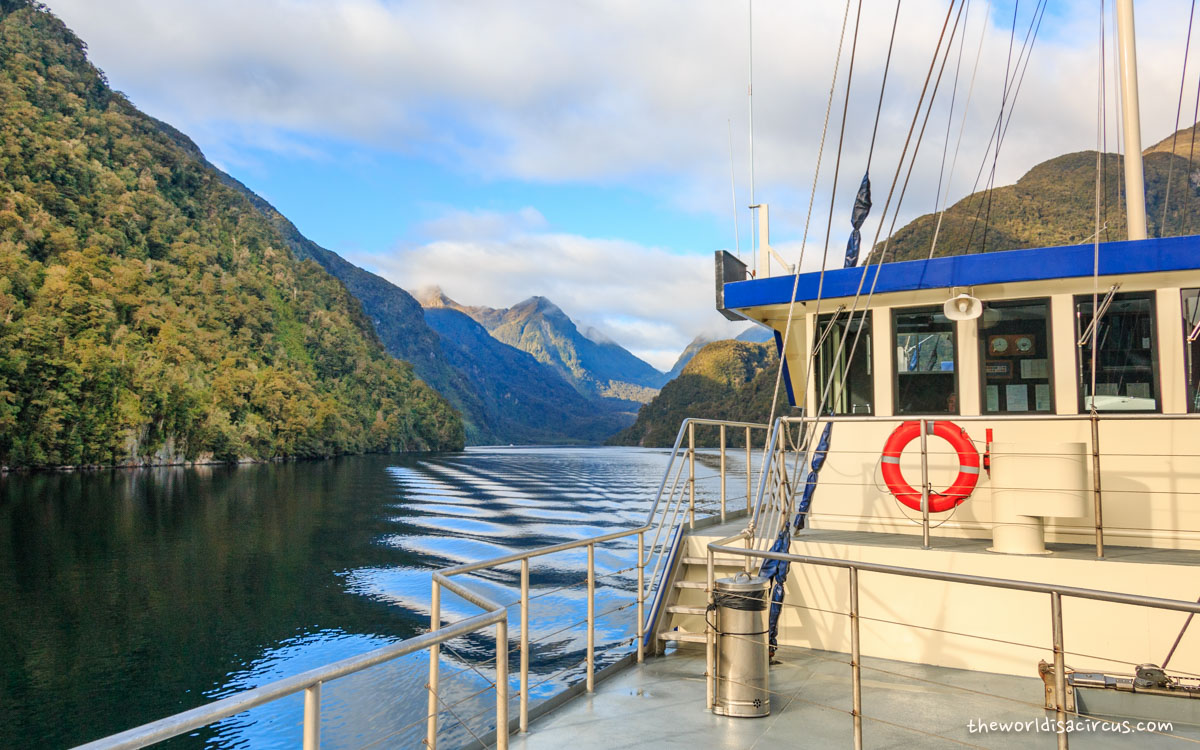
130 595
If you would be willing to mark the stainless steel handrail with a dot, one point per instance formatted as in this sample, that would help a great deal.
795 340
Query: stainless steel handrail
1056 593
495 613
186 721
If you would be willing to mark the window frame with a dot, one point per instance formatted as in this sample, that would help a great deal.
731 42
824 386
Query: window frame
869 319
1191 407
1156 359
936 310
1050 363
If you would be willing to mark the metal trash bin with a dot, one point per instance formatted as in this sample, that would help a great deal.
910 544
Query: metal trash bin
742 683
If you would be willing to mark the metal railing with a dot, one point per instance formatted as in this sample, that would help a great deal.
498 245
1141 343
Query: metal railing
774 499
675 501
1055 592
309 682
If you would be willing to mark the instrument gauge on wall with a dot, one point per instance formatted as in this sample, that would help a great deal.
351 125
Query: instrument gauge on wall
1024 344
999 344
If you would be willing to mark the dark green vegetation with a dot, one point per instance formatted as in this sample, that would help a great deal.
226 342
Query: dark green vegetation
523 400
539 327
731 380
149 311
1055 204
400 323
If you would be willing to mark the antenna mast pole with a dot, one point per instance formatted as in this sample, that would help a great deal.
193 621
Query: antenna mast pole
1135 187
750 104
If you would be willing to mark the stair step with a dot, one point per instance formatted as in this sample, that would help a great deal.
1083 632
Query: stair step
680 609
703 585
721 562
682 636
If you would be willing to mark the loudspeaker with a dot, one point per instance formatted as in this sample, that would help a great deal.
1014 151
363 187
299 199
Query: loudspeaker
963 307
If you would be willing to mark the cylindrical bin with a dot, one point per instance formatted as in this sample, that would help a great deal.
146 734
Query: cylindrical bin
742 682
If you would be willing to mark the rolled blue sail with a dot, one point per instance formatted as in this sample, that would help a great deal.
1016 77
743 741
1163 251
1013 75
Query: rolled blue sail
777 570
862 207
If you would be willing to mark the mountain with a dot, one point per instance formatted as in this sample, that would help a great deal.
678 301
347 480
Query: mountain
689 351
1054 204
752 335
399 319
149 312
731 380
523 400
539 327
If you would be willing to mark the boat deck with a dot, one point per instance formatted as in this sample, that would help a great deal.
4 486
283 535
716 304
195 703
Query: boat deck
661 704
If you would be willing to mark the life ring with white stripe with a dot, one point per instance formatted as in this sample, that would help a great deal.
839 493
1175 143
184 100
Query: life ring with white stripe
968 465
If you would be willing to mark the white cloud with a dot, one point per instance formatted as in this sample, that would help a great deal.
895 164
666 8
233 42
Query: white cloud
614 92
624 92
647 299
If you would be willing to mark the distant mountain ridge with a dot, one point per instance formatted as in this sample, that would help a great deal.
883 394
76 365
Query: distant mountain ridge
539 327
523 400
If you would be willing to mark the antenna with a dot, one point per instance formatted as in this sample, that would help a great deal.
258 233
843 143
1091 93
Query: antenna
737 243
750 103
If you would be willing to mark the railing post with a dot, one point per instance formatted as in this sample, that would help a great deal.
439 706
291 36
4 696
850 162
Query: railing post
749 479
641 598
1096 502
722 473
591 617
924 487
502 685
1060 677
710 656
435 651
312 717
691 475
524 716
855 659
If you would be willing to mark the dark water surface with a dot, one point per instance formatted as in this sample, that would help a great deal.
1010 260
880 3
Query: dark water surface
126 596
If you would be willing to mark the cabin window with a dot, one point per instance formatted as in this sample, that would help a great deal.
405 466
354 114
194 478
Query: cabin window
1191 346
1126 354
1014 346
926 382
845 381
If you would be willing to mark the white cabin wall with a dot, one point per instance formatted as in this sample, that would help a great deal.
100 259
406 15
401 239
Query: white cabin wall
1168 307
882 355
1066 353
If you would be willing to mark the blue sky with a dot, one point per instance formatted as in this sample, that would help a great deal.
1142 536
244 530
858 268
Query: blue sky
582 150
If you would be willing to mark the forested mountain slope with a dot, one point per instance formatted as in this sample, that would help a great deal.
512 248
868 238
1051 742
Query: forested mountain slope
1055 204
148 311
731 380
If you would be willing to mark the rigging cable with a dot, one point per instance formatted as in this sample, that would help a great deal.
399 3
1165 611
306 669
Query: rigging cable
1000 130
962 128
1178 111
737 243
887 204
1100 119
787 327
937 198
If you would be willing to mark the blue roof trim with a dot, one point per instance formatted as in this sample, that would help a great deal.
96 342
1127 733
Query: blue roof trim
1072 261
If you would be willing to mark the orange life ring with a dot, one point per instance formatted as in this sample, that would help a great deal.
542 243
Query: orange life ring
968 465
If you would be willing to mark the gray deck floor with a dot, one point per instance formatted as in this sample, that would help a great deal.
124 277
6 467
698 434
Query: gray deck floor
661 704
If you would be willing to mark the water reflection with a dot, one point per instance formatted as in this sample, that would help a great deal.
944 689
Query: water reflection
126 596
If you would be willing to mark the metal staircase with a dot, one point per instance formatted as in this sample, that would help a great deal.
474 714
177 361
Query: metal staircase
678 586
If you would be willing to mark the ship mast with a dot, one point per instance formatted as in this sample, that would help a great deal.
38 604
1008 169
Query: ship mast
1135 188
